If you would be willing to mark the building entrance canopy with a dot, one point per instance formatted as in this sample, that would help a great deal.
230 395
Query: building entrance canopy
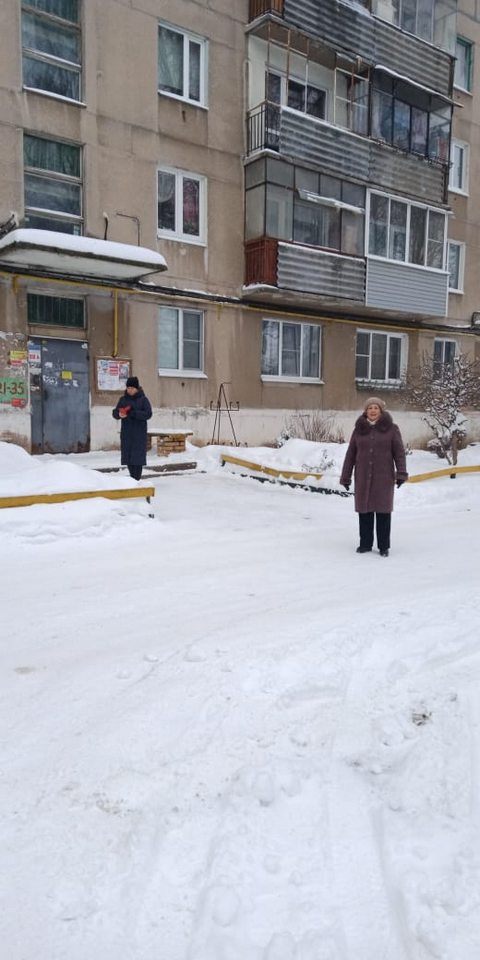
62 254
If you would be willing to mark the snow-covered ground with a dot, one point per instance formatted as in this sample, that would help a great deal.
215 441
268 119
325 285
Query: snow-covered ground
227 736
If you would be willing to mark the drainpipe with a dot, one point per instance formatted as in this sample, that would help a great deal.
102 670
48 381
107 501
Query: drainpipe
115 324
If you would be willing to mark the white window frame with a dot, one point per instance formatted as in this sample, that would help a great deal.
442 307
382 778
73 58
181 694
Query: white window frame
203 43
461 265
443 341
409 204
181 371
177 233
458 146
287 378
467 46
386 382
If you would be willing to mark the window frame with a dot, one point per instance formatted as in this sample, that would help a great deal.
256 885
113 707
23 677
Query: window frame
387 382
188 37
34 296
48 175
467 46
461 265
459 145
410 204
181 371
439 365
290 378
285 81
178 234
41 56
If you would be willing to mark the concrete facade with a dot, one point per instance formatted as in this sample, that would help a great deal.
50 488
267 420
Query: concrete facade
127 130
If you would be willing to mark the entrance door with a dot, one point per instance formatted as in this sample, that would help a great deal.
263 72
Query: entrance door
59 396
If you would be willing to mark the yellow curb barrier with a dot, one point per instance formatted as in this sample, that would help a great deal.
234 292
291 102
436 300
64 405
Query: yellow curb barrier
32 499
270 471
446 472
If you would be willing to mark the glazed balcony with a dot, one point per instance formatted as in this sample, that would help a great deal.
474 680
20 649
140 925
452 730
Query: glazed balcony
311 141
373 39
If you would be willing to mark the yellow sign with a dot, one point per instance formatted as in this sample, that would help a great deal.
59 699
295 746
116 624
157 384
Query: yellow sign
67 375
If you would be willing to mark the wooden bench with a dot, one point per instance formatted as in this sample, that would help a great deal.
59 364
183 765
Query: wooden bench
168 441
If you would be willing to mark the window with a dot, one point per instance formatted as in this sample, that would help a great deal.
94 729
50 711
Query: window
463 64
52 184
400 230
416 16
290 350
304 206
351 96
182 65
380 357
181 206
52 47
456 263
296 93
410 118
459 155
180 340
58 311
444 352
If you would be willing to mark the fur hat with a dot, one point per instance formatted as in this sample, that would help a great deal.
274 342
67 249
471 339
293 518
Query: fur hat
133 382
380 403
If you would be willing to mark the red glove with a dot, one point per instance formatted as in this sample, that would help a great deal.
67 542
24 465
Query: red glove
124 411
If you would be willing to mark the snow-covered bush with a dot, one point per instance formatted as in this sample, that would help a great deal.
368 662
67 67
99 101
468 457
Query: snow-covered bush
312 425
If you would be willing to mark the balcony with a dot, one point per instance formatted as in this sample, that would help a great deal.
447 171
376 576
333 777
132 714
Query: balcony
308 140
346 28
294 267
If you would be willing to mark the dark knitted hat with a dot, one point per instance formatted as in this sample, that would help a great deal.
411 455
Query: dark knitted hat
133 382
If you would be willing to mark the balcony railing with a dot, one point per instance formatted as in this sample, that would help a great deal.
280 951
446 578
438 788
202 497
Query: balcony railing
258 7
261 261
263 127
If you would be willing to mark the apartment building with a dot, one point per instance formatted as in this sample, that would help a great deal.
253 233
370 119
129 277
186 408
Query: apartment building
266 194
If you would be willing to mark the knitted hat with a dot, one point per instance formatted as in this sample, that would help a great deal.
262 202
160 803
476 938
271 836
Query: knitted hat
380 403
133 382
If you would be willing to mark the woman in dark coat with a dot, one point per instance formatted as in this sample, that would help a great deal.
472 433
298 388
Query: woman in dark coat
133 409
377 454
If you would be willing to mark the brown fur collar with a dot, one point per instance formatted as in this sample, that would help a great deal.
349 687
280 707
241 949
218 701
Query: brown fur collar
383 424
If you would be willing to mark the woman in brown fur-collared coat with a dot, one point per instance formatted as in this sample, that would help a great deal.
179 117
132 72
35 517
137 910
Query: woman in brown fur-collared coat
377 455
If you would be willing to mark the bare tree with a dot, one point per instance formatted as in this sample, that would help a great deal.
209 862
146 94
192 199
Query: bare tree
443 391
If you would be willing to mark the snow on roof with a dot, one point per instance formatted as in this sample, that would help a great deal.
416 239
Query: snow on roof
90 256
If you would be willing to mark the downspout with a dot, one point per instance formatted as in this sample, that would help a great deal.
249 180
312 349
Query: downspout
115 324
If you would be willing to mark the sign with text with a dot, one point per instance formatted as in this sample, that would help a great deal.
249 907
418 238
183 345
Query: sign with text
112 374
13 390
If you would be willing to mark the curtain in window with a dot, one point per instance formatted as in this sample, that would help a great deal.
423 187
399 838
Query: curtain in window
45 193
394 356
379 356
166 201
50 38
66 9
418 222
270 347
377 243
436 237
194 60
47 76
291 340
398 230
311 351
51 155
168 339
170 61
191 207
454 266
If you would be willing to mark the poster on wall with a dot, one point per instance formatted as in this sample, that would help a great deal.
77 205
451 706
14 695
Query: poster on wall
112 373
